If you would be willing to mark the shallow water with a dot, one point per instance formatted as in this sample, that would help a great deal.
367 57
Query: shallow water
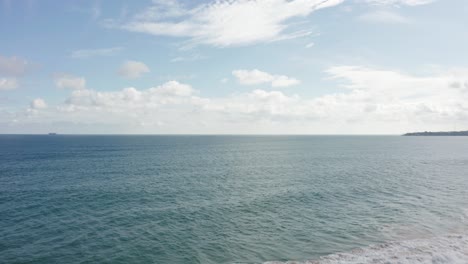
227 199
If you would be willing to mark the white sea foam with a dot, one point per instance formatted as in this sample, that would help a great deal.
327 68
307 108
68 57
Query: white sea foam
451 249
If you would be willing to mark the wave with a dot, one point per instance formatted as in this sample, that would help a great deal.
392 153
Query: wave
452 249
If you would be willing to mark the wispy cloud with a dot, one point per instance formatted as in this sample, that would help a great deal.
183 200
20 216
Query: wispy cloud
11 70
400 2
386 17
377 99
387 85
253 77
310 45
95 11
8 84
227 23
86 53
193 57
14 66
133 69
38 103
67 81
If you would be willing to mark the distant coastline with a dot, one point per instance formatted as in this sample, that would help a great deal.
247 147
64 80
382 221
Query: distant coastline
447 133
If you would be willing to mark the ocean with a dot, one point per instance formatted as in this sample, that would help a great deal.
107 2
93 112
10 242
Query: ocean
233 199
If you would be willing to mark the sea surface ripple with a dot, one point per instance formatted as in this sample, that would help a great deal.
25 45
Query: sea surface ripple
233 199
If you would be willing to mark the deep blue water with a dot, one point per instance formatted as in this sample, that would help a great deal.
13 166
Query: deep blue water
223 199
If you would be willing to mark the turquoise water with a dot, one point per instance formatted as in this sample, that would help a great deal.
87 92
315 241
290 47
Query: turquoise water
224 199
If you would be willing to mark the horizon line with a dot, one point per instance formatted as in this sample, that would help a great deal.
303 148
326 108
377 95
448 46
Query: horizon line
187 134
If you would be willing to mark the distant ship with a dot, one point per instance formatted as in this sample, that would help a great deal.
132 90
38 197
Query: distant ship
52 134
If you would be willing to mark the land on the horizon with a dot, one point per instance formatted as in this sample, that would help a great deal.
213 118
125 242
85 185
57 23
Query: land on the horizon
446 133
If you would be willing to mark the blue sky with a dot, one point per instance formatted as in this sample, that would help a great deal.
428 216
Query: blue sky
235 67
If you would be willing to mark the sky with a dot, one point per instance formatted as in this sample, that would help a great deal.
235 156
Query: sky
233 66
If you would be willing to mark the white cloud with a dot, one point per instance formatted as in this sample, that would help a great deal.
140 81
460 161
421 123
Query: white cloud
133 69
371 101
258 105
392 82
379 101
86 53
8 84
95 11
13 66
11 71
193 57
395 96
387 17
67 81
173 88
310 45
253 77
38 103
400 2
227 23
171 92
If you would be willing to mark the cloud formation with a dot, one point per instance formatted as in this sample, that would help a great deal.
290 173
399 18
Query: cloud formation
227 23
38 103
310 45
371 101
8 84
87 53
13 66
386 17
171 92
253 77
133 69
400 2
67 81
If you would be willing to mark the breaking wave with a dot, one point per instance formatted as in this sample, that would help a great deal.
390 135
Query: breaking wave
451 249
